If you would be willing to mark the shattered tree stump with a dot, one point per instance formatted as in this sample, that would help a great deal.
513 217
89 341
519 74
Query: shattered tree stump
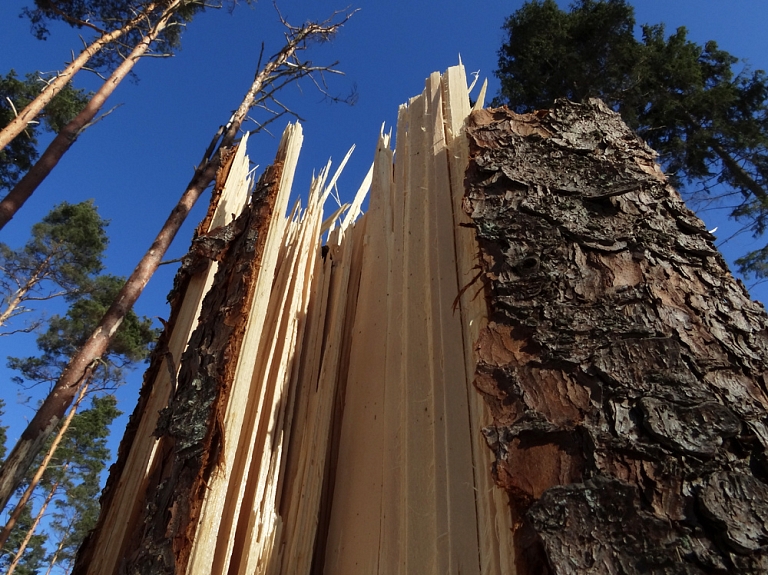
528 283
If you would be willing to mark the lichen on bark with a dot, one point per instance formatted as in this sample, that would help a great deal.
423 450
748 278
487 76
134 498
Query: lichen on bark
623 364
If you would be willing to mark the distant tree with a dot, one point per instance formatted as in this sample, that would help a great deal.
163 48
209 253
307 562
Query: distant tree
708 122
34 480
71 479
34 557
102 16
18 155
116 24
78 453
66 334
85 454
61 259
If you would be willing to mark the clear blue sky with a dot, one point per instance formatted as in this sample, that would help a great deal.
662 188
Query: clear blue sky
137 161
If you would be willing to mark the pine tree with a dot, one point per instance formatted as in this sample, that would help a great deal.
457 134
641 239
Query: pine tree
105 15
65 334
157 31
61 258
708 120
85 454
34 556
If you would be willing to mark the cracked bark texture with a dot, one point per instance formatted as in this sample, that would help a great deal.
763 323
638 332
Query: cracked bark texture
624 366
190 428
156 361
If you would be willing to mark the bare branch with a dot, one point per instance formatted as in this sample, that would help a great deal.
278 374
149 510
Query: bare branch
97 120
74 21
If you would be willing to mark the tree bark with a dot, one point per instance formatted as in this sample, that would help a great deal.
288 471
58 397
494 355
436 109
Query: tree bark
31 110
190 428
21 192
623 364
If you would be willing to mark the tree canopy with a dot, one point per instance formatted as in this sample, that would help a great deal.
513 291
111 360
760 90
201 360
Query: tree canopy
103 16
77 467
65 334
707 118
61 258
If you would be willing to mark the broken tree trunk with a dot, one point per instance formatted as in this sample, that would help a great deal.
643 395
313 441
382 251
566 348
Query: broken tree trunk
216 157
326 415
624 365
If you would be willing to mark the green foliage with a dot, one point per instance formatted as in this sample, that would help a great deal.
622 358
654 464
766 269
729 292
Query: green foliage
21 153
67 247
552 54
61 258
72 478
708 122
78 463
109 15
66 334
65 253
33 560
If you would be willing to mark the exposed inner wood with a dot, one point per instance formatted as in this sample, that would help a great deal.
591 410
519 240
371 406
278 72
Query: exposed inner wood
525 357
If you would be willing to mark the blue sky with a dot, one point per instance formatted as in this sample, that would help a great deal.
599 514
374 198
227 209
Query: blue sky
137 161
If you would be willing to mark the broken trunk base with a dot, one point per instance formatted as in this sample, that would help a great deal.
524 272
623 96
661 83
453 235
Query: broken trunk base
525 357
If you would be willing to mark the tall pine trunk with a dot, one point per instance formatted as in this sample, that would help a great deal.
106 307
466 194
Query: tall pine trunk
24 499
63 392
33 109
21 192
33 527
624 365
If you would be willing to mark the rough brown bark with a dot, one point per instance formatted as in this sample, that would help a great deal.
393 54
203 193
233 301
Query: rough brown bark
190 428
21 192
624 365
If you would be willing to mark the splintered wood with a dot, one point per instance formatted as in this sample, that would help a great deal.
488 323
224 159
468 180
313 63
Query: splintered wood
319 417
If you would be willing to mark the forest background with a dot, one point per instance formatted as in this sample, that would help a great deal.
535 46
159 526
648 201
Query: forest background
136 162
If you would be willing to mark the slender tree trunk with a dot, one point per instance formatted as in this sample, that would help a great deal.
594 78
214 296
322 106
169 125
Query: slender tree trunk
33 527
55 556
18 297
623 364
67 136
6 532
31 111
60 398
